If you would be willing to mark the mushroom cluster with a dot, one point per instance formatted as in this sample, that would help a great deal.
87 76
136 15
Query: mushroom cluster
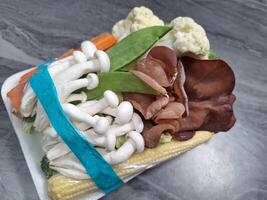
101 122
65 74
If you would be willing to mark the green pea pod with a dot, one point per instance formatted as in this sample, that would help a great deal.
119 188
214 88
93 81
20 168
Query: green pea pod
135 45
119 82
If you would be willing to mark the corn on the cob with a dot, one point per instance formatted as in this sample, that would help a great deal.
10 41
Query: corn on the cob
64 188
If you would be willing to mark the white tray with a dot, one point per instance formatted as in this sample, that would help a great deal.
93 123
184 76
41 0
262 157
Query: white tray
31 145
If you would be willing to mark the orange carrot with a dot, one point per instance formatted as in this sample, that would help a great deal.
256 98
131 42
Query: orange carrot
15 94
102 42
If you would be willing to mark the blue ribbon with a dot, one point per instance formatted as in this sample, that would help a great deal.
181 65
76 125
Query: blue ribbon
97 168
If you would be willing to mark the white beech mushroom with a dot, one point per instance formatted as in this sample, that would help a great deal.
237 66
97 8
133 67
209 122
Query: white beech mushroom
64 90
123 113
57 72
77 97
90 82
136 124
69 165
99 64
83 126
29 98
100 124
58 150
135 142
110 99
99 140
89 49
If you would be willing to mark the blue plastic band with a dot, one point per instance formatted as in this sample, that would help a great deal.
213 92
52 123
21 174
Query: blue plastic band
97 168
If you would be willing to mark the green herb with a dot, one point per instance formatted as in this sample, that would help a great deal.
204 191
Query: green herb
135 45
27 124
45 166
119 82
212 55
165 138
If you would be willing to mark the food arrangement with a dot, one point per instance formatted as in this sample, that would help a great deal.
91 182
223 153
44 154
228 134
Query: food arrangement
124 102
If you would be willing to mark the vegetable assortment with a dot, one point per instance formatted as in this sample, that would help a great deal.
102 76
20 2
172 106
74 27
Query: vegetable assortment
141 95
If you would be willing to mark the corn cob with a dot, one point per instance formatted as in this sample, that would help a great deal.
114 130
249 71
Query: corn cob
64 188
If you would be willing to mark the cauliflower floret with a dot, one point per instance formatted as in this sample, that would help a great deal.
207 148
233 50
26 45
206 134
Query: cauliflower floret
138 18
187 38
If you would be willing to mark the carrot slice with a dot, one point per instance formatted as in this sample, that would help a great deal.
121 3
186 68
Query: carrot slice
102 42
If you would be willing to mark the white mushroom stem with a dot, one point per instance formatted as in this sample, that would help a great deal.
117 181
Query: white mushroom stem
95 139
100 124
135 142
69 161
136 124
41 121
100 64
29 98
110 99
123 113
60 65
90 82
50 131
70 172
57 72
77 97
57 151
48 142
83 126
84 106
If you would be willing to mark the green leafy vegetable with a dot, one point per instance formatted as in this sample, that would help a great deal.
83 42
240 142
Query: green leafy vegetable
165 138
119 82
135 45
120 141
212 55
27 124
45 166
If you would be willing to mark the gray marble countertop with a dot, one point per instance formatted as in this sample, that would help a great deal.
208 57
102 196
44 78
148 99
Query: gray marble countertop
232 165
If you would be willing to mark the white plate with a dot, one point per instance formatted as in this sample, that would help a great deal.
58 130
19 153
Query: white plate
31 145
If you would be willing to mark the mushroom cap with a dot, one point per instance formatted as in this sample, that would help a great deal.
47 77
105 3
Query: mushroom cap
138 122
93 81
102 125
103 59
79 56
124 112
111 98
138 140
110 142
89 49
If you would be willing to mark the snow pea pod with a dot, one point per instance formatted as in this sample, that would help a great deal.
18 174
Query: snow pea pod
119 82
135 45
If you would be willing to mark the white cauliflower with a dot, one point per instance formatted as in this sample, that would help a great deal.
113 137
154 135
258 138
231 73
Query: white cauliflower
187 38
138 18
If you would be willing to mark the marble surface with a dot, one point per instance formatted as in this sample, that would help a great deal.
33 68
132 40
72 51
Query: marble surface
232 165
